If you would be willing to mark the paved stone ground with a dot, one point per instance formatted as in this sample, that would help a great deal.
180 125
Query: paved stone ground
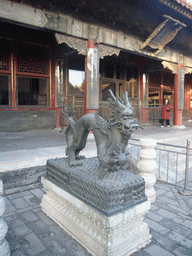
31 232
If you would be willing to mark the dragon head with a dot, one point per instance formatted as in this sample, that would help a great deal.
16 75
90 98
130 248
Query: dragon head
122 113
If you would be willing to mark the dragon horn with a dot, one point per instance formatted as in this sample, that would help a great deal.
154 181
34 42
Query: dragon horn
113 100
126 99
112 95
118 98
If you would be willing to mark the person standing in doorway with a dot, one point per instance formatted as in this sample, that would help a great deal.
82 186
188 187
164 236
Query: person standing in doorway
165 114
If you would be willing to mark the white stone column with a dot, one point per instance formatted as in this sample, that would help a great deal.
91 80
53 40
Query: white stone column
147 166
4 246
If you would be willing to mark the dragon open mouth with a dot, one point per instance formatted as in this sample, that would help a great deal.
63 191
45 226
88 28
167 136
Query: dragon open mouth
130 127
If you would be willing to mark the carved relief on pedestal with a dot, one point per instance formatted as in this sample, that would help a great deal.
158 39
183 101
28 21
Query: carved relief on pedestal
147 166
4 246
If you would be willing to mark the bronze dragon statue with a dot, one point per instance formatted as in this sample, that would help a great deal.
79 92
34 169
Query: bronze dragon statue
111 136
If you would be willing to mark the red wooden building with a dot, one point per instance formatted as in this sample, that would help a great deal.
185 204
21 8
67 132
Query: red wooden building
77 50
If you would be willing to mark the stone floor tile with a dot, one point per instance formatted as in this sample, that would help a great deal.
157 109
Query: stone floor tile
43 189
45 253
73 245
29 216
169 207
157 227
45 218
168 223
32 200
154 216
164 241
40 229
25 209
38 206
169 200
183 205
182 251
181 240
154 207
170 194
19 203
18 253
140 253
160 192
9 209
38 193
190 236
13 240
7 202
178 220
57 248
11 217
81 253
166 214
55 230
19 195
155 250
35 246
19 227
187 224
162 186
36 209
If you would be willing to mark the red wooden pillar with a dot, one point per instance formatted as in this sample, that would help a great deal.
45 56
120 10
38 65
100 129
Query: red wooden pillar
85 99
177 114
65 71
13 76
187 97
91 103
52 83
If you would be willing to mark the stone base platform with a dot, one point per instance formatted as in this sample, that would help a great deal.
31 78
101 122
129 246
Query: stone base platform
120 234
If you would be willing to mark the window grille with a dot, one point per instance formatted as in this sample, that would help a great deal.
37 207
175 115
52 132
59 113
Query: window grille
4 62
32 60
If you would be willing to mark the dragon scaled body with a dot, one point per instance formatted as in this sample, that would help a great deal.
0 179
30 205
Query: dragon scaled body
111 136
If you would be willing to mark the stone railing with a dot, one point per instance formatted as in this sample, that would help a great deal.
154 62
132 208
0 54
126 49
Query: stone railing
4 246
147 166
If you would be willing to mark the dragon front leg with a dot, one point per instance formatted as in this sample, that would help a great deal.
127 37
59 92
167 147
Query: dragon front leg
73 158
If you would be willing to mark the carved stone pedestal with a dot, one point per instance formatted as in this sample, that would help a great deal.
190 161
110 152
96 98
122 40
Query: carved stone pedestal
4 246
103 213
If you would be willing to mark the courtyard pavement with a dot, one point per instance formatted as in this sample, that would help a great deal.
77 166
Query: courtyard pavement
31 232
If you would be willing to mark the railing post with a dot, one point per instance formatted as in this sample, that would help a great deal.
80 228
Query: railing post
187 165
154 111
4 246
147 166
73 101
139 114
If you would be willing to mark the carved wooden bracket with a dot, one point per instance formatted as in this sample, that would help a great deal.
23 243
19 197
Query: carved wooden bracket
163 34
78 44
170 66
187 70
105 50
81 45
173 67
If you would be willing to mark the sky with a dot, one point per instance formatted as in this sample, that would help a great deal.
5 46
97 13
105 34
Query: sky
76 77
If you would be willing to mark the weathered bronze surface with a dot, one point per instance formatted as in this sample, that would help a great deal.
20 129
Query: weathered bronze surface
96 181
108 192
111 136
